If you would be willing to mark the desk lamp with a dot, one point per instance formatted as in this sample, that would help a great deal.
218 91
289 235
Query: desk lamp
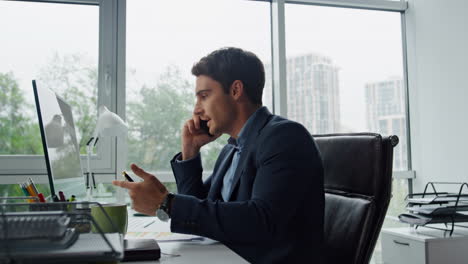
108 125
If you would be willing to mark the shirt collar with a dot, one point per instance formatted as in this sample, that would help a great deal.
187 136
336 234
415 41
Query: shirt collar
247 129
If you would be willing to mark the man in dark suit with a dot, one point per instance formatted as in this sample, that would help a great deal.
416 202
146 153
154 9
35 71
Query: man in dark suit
265 198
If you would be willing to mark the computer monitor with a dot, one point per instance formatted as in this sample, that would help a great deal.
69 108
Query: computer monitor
61 150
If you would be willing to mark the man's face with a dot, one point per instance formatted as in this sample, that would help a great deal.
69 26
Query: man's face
214 105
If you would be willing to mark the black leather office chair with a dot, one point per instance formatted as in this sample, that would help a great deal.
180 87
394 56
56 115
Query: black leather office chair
358 182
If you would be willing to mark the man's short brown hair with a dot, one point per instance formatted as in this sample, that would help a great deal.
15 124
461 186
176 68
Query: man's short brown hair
226 65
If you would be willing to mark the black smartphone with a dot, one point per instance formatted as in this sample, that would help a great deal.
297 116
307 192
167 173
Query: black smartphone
204 127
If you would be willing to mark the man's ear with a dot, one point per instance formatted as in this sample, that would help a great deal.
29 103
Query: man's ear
237 89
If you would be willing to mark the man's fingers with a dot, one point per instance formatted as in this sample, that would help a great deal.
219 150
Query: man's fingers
191 126
141 172
124 184
196 121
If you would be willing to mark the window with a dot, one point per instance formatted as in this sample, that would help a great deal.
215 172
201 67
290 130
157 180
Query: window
58 44
345 71
62 56
345 74
164 40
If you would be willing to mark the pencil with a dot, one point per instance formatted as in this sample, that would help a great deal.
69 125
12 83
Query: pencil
25 192
30 190
33 186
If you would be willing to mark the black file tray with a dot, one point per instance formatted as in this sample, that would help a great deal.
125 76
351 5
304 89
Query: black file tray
57 232
429 208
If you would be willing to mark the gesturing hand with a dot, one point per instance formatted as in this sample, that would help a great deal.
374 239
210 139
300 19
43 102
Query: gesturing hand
147 195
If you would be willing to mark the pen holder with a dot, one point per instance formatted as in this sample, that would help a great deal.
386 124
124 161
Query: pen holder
47 207
20 200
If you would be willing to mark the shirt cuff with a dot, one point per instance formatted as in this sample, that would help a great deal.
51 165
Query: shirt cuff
178 158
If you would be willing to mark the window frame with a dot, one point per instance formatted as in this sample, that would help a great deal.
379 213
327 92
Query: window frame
111 93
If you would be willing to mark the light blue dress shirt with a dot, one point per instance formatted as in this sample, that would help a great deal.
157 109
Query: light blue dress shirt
238 145
229 176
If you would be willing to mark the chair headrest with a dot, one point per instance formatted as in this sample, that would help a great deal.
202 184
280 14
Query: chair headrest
353 161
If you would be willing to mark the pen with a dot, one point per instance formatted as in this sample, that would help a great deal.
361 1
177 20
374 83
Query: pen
140 214
41 198
124 173
150 223
62 197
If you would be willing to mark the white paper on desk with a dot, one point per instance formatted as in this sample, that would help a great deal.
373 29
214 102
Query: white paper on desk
163 236
151 227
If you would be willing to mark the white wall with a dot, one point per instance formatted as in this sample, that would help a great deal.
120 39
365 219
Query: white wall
437 39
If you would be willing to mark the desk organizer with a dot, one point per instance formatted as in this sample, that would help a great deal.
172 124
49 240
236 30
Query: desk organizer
54 232
446 209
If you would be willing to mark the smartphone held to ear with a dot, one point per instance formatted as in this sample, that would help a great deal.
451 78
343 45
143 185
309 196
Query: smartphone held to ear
204 127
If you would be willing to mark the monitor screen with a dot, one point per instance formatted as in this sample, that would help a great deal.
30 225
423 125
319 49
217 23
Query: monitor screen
61 150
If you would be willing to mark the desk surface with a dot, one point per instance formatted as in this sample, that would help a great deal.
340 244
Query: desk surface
185 252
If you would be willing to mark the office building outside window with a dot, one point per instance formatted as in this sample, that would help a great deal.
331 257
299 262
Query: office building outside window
313 93
385 112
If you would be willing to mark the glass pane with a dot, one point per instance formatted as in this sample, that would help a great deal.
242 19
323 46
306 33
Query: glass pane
345 72
396 207
14 190
56 44
164 40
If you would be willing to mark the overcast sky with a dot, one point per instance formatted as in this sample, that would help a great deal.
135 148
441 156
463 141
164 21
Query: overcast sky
365 45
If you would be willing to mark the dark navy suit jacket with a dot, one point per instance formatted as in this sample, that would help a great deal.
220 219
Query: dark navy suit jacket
275 212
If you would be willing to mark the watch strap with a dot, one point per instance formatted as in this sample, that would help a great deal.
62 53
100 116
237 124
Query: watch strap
166 204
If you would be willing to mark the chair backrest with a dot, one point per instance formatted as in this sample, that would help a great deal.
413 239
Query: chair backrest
357 182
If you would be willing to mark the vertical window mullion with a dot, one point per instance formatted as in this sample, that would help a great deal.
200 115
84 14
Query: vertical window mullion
111 79
407 102
278 49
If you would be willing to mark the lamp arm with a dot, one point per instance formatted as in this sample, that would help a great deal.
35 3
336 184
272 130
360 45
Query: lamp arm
89 151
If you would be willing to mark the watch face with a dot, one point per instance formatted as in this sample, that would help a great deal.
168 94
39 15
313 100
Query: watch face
163 216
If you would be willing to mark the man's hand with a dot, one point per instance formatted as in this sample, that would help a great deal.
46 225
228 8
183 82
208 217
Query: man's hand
193 138
147 195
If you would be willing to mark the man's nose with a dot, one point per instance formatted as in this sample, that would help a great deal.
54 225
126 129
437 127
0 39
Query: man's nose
197 110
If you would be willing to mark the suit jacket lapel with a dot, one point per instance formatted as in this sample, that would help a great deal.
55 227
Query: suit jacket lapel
239 169
258 124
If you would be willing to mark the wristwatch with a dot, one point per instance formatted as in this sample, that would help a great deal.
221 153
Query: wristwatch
163 212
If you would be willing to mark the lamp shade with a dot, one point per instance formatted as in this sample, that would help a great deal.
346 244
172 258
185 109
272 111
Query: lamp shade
109 124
